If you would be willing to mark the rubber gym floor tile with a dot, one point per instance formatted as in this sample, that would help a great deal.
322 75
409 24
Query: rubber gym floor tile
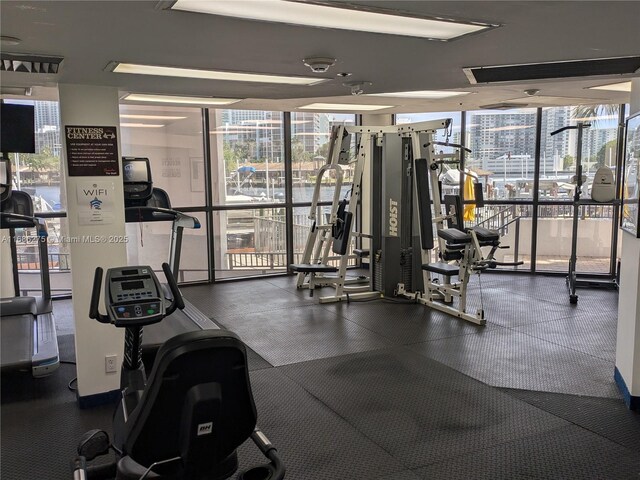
566 452
606 417
39 439
404 475
512 359
404 323
418 410
313 442
242 299
593 334
300 334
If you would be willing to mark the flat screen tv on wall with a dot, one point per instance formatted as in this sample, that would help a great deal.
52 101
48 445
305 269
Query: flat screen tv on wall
630 220
17 134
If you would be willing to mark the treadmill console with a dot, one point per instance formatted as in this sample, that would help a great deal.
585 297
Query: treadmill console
134 296
138 186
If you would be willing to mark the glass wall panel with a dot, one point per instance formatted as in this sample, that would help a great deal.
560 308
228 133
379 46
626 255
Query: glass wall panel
149 244
249 242
171 138
310 135
247 156
502 144
557 184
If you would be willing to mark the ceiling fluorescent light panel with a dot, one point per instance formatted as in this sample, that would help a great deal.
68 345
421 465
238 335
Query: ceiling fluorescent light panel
350 107
163 71
614 87
427 94
144 97
341 17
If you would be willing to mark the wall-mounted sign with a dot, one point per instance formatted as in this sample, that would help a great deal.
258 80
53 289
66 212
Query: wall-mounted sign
95 202
92 151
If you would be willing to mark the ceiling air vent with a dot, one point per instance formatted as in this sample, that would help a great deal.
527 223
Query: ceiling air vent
549 70
17 62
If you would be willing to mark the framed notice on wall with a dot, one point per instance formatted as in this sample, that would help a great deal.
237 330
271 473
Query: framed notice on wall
92 151
630 218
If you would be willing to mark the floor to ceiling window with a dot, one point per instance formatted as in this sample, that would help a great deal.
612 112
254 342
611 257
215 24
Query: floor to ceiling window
558 182
39 174
171 138
248 192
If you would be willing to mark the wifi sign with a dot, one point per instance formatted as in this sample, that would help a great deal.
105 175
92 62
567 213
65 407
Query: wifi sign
95 203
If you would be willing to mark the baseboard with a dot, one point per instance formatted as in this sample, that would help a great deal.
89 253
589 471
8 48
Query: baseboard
90 401
632 402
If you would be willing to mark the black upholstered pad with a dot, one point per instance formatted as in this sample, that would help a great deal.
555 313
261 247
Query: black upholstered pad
454 236
486 235
442 268
312 268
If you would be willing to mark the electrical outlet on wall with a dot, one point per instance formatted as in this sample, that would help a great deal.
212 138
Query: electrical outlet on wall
111 363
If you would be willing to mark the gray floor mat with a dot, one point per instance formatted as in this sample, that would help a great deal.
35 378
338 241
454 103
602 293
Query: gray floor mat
604 416
418 410
299 334
566 452
314 442
512 359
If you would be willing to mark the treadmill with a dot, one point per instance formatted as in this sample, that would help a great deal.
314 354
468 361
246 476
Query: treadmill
145 203
27 327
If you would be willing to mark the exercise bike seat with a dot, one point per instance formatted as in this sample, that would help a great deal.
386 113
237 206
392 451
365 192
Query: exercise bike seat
202 379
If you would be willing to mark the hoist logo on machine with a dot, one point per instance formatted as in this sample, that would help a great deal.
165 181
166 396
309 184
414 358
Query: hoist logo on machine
393 218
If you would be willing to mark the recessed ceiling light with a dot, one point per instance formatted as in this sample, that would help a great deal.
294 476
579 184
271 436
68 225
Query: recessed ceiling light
145 97
350 107
141 125
7 40
614 87
341 17
212 74
432 94
150 117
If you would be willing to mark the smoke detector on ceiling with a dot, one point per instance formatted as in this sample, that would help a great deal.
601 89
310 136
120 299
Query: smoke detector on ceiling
319 64
530 92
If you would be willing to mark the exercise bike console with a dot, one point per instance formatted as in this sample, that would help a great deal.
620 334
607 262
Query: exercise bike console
133 296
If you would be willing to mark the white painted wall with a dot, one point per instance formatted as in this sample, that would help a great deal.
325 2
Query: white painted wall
628 343
92 106
6 266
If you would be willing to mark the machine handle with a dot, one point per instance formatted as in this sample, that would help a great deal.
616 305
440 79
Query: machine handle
570 127
177 301
94 312
269 451
454 145
79 468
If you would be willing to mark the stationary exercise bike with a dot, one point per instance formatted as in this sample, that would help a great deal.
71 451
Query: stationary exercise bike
196 408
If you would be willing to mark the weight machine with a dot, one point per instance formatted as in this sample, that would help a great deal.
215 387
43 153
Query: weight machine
331 236
411 202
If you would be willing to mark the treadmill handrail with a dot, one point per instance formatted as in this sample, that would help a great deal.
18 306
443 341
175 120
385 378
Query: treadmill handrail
39 223
182 219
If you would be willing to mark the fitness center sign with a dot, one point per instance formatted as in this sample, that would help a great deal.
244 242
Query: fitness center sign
92 151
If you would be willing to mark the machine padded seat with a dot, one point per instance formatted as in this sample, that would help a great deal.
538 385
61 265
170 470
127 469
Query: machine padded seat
442 268
454 236
312 268
360 252
486 235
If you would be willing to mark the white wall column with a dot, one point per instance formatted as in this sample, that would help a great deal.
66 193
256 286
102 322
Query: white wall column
627 373
89 106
